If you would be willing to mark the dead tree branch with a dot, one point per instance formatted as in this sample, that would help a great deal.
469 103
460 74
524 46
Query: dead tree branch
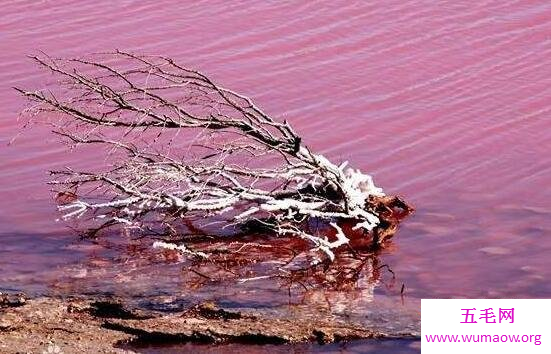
181 146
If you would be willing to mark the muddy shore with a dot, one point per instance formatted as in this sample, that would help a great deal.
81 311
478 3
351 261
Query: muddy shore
79 325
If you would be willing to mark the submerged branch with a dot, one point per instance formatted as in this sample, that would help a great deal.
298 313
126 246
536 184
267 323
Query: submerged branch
181 146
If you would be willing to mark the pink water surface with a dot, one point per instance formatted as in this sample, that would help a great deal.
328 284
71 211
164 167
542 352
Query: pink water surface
446 103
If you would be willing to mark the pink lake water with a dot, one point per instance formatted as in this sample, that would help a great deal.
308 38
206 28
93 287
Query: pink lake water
446 103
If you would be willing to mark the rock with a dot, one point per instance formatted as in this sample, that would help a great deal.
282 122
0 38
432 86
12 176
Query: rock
12 300
101 326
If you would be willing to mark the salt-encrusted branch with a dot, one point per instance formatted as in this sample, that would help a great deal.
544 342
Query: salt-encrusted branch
183 146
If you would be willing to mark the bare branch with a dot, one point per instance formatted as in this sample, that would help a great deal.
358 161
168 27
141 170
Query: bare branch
182 146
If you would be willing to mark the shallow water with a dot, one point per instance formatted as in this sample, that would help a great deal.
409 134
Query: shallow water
365 346
446 103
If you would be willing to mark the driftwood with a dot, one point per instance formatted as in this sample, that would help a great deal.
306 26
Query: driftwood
181 147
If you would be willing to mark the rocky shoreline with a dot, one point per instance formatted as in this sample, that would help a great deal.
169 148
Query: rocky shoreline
79 325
